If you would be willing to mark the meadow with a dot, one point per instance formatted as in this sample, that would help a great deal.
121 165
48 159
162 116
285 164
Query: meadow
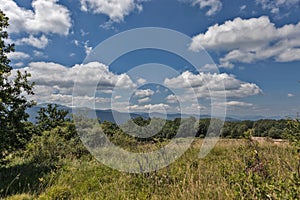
234 169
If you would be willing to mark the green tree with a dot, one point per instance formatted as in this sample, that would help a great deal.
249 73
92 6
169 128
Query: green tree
202 127
292 132
57 137
109 128
13 101
275 133
51 117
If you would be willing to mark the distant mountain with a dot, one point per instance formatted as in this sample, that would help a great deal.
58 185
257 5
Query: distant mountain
120 117
259 117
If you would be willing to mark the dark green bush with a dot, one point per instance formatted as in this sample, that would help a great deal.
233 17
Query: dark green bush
55 145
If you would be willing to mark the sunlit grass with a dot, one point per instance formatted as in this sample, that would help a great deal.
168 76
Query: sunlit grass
220 175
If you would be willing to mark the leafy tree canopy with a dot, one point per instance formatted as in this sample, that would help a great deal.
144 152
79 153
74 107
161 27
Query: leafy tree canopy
13 101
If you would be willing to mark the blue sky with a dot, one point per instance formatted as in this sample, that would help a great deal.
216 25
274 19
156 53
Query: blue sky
255 45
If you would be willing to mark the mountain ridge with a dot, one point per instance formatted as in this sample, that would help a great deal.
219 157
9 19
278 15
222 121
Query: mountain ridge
111 115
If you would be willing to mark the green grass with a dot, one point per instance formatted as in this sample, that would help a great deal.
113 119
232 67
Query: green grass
221 175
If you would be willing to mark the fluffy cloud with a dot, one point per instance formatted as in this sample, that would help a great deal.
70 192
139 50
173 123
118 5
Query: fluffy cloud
171 99
144 100
206 85
238 33
250 40
275 5
116 10
46 17
36 42
143 93
141 81
213 6
17 55
54 82
45 95
292 54
152 107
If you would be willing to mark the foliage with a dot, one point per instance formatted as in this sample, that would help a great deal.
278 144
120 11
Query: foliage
53 146
51 117
224 174
57 139
32 169
13 102
292 132
168 129
235 169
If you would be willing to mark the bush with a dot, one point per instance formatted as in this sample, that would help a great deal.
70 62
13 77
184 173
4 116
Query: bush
292 132
52 146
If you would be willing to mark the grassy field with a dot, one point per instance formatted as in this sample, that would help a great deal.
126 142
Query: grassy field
234 169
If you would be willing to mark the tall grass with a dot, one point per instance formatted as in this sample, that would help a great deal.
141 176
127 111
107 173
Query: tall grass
226 173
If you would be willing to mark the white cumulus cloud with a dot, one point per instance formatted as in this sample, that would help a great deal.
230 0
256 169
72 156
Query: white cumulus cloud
171 98
37 42
55 82
143 93
17 55
209 85
144 100
116 10
46 17
250 40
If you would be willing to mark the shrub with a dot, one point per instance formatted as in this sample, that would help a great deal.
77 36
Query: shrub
52 146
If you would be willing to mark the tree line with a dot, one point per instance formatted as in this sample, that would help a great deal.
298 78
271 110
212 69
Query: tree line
275 129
